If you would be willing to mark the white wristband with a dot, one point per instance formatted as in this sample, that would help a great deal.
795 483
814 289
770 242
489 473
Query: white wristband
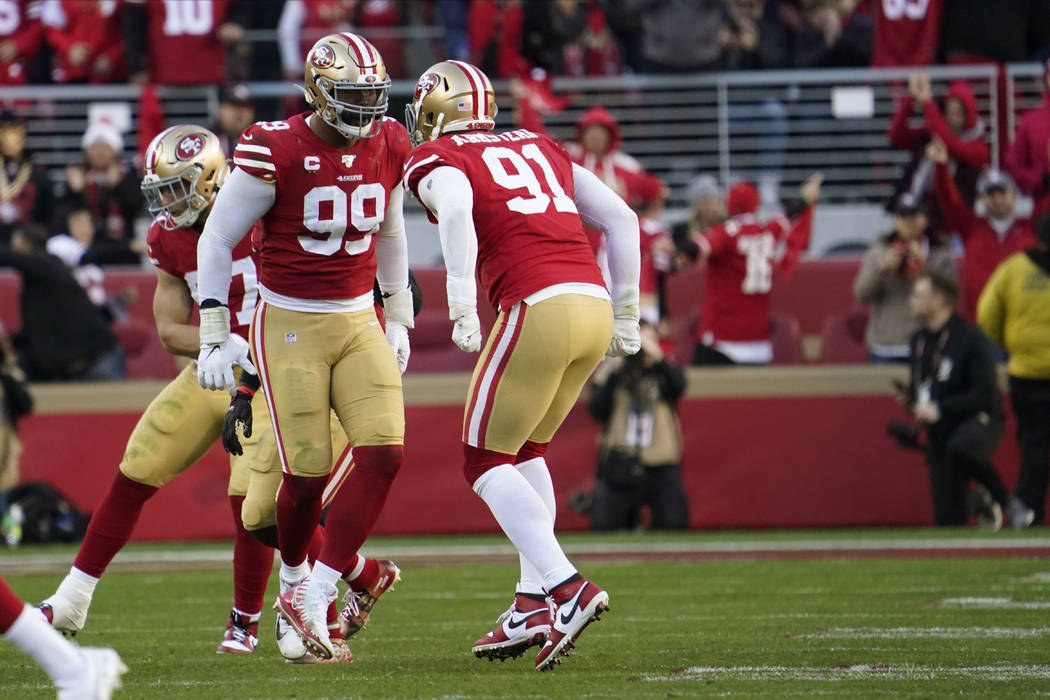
398 308
215 325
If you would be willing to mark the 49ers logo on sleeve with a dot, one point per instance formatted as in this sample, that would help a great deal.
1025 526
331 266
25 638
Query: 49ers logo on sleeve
428 82
323 56
189 146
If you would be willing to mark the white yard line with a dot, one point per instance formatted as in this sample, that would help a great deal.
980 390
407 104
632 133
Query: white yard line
996 603
911 672
927 633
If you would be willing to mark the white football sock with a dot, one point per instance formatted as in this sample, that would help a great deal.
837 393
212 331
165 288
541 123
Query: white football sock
538 475
323 576
292 575
252 617
524 517
59 658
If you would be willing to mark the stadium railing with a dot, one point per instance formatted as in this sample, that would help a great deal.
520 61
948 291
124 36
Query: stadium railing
772 126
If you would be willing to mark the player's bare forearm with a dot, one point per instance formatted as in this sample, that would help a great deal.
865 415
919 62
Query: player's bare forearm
172 309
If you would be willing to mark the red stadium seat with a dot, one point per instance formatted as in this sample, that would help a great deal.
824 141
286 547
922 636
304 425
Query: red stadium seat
842 339
786 334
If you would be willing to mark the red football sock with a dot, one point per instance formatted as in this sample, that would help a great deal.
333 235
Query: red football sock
11 606
252 564
356 507
298 512
112 524
368 573
316 543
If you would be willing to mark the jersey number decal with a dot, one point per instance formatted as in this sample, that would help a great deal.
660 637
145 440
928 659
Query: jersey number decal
193 17
245 268
899 9
524 177
758 254
325 211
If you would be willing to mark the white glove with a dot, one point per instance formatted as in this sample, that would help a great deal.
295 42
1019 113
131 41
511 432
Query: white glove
627 337
215 363
466 333
397 336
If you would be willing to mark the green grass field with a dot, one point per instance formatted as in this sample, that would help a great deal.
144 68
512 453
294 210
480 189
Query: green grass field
838 626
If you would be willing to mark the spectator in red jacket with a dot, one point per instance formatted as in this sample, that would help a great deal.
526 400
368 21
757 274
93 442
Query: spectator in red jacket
21 37
597 148
961 129
647 196
1028 160
989 239
87 42
742 255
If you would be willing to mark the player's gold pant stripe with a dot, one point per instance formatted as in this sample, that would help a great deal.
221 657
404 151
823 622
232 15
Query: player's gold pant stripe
259 352
485 391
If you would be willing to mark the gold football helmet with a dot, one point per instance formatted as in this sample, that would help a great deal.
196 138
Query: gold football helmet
450 96
184 169
347 84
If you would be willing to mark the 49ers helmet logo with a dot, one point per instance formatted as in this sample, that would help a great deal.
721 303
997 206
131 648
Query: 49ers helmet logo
426 84
323 56
189 147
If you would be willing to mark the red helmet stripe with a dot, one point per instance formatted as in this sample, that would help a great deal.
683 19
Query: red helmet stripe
476 84
363 53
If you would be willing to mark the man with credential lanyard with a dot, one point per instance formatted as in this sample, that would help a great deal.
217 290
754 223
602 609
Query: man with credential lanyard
954 392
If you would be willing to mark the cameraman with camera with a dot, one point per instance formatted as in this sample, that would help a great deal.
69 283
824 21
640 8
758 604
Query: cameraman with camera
953 392
886 274
639 461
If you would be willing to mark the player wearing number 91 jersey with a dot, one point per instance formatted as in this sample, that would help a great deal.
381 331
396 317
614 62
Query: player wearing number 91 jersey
514 205
325 187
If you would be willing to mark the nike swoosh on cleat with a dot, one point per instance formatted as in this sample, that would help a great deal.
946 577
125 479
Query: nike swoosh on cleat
567 618
514 625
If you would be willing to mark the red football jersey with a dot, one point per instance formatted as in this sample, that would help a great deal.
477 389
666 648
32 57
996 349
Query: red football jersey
175 252
740 262
316 240
906 32
183 49
530 236
20 23
655 241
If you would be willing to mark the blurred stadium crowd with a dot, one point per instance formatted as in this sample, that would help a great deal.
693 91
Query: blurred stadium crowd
87 218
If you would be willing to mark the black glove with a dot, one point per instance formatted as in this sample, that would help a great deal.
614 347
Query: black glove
240 412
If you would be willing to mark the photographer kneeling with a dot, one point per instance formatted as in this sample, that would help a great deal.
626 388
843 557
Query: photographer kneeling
954 392
640 458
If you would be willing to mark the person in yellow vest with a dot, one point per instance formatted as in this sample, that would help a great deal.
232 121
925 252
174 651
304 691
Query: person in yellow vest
1014 310
640 456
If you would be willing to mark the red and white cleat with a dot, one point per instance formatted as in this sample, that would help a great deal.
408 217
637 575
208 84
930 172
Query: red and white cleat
65 615
242 635
525 624
360 601
342 655
305 608
578 604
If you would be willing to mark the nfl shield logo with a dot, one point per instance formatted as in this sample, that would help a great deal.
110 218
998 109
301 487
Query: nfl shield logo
289 338
348 161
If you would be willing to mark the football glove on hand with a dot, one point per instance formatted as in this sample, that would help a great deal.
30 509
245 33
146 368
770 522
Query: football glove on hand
627 337
466 333
397 336
215 363
240 412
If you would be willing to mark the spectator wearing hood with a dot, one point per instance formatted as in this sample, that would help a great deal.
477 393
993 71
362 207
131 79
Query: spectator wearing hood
25 192
886 274
987 240
742 255
106 185
707 208
1027 160
961 129
597 148
1014 310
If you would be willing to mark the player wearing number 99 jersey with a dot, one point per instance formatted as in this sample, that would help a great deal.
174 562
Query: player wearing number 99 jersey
514 205
325 187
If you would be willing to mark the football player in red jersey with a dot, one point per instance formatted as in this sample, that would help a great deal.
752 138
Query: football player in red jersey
514 205
742 255
325 186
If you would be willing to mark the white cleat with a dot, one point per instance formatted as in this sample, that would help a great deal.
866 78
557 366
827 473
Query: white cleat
99 677
289 643
65 615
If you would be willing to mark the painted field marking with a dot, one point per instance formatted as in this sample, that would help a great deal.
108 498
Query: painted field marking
912 672
927 633
995 603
